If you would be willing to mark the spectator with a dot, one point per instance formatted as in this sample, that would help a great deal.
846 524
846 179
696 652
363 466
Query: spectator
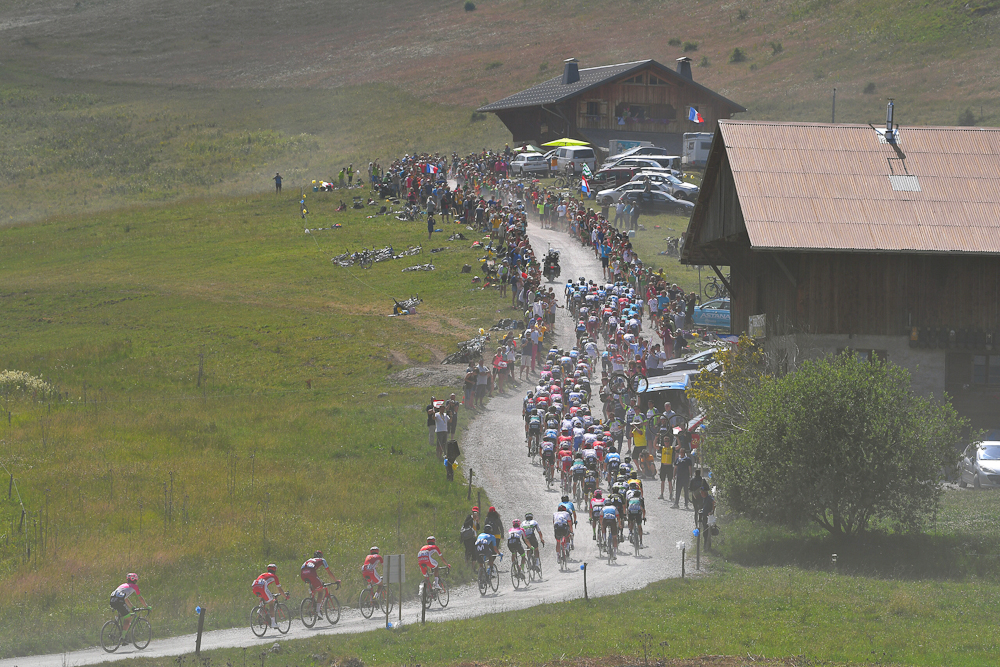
431 424
470 529
682 477
277 183
441 430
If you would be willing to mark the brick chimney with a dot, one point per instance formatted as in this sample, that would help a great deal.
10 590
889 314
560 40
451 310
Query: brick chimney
684 68
571 71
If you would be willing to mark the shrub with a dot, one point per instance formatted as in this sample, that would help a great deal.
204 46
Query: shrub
673 41
704 62
543 67
737 56
690 46
776 48
476 117
743 15
470 6
869 88
753 67
967 118
496 64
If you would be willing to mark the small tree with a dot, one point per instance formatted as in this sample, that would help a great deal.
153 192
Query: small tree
839 442
967 118
737 56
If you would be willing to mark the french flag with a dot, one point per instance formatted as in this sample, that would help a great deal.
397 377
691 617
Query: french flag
584 185
430 168
694 116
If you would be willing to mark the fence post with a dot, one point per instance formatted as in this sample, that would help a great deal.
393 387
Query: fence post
584 568
201 626
467 497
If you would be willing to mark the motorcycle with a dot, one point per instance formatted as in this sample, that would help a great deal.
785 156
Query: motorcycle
550 267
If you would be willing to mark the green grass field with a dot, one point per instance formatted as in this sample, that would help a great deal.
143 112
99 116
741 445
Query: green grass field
294 441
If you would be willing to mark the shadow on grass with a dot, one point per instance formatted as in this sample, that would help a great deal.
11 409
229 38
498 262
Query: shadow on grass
885 555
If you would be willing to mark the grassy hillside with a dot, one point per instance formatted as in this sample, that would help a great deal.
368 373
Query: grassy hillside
223 402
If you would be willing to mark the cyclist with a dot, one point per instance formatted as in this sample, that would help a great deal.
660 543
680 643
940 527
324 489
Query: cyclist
486 546
562 525
579 471
427 562
516 539
609 524
596 507
308 575
548 458
565 458
635 507
261 588
120 601
369 570
530 527
570 507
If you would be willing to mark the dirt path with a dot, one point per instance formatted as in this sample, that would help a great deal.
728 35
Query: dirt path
495 449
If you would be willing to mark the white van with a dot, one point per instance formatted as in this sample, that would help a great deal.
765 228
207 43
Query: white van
578 155
696 147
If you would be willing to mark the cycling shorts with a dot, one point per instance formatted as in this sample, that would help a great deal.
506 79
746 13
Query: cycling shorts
309 576
561 530
118 604
427 563
263 592
533 541
611 523
516 547
371 576
548 457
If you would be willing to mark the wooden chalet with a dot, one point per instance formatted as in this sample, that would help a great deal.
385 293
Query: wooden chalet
641 100
837 238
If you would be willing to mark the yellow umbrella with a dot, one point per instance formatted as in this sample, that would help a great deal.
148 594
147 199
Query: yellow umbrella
566 142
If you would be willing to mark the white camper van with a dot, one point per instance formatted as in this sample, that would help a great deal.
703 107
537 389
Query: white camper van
696 147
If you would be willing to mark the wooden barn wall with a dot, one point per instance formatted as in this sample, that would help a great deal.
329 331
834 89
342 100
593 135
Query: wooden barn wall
875 294
524 124
724 216
676 94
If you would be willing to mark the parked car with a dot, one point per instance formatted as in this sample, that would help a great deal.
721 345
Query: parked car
639 151
690 362
612 195
658 201
713 314
980 465
607 179
673 185
529 163
668 162
578 156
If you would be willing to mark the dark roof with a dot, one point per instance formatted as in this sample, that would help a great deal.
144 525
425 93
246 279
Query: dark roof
553 90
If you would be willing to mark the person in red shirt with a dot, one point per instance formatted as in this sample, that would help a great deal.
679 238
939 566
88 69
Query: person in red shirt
308 574
427 561
369 570
261 588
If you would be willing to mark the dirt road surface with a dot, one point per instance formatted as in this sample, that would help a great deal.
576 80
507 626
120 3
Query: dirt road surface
494 447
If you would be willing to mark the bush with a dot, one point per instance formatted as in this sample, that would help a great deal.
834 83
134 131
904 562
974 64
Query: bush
737 56
673 41
496 64
470 6
743 15
776 48
704 62
840 442
869 88
690 46
967 118
476 117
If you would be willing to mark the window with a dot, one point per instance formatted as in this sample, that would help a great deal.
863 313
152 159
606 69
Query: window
593 108
986 370
637 80
705 145
656 81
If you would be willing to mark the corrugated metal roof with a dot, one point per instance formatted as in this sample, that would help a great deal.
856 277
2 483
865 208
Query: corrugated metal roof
553 90
827 187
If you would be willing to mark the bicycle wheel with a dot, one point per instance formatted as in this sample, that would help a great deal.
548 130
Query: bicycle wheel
366 602
282 617
618 383
258 621
494 578
538 568
331 608
514 576
484 581
307 612
111 636
635 542
712 290
443 595
142 633
388 600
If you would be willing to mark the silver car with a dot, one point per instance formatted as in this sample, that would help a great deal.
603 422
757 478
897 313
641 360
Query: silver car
980 465
527 163
612 195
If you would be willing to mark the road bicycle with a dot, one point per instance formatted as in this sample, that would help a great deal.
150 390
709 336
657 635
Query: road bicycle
309 612
550 473
562 552
534 565
140 632
517 572
611 543
489 576
534 440
442 594
602 542
715 288
372 598
260 620
634 536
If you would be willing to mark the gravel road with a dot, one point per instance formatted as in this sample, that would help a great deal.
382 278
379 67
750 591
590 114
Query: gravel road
495 449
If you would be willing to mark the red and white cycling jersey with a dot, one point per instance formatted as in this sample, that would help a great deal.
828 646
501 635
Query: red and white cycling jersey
427 553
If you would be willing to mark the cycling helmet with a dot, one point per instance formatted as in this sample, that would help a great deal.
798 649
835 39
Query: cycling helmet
633 485
628 459
516 523
132 578
562 508
373 550
488 528
598 494
565 499
528 516
531 394
431 540
318 554
272 568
